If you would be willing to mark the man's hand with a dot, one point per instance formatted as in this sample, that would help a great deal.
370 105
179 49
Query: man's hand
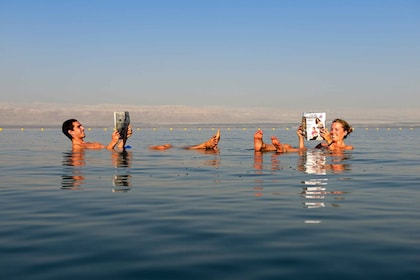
129 131
115 136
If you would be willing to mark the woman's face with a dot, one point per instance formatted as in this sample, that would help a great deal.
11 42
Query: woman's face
337 131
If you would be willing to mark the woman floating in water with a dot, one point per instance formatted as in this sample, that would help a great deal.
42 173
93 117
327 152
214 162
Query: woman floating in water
333 140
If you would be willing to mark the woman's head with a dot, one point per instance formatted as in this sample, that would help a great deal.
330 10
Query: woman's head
347 129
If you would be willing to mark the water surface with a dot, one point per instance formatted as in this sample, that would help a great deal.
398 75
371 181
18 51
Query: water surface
182 214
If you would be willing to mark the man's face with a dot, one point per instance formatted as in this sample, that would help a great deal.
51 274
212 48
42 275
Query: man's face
78 131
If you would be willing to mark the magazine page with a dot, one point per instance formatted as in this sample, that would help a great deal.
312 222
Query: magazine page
312 123
121 123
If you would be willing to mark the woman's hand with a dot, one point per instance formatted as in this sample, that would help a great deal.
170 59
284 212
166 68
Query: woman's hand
299 132
325 134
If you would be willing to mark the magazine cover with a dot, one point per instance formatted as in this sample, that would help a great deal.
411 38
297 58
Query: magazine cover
312 123
121 122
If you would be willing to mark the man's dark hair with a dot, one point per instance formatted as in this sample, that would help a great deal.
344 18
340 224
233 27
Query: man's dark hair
68 125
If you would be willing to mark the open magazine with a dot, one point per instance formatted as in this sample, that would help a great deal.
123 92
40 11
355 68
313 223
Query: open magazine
121 123
312 123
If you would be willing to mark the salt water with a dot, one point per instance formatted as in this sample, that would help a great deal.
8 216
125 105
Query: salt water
235 214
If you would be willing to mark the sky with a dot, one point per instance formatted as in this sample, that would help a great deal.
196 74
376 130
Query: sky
309 55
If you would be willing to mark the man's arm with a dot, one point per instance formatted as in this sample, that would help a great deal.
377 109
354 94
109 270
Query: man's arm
114 140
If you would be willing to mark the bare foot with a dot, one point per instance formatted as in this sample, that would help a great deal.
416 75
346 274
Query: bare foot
282 148
217 136
258 141
277 144
259 145
161 147
210 144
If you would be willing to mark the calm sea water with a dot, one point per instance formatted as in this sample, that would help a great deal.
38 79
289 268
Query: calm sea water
182 214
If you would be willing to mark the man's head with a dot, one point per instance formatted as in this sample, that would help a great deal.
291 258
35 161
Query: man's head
72 127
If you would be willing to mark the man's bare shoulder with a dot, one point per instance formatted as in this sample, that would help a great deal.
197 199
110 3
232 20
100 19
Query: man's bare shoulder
89 145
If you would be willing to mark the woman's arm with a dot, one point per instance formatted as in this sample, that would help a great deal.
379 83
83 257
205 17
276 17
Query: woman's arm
301 138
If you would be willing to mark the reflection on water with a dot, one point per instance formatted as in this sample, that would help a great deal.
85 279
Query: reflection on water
73 176
320 161
318 191
215 161
259 164
313 162
314 194
122 178
259 169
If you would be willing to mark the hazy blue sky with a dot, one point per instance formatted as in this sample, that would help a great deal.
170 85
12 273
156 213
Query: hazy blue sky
303 54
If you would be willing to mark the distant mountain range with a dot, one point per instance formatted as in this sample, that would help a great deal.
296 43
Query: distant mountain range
44 115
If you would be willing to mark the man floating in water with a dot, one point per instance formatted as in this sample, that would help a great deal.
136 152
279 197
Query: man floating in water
75 131
210 144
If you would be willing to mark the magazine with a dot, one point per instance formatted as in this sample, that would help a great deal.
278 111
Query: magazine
312 123
121 122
